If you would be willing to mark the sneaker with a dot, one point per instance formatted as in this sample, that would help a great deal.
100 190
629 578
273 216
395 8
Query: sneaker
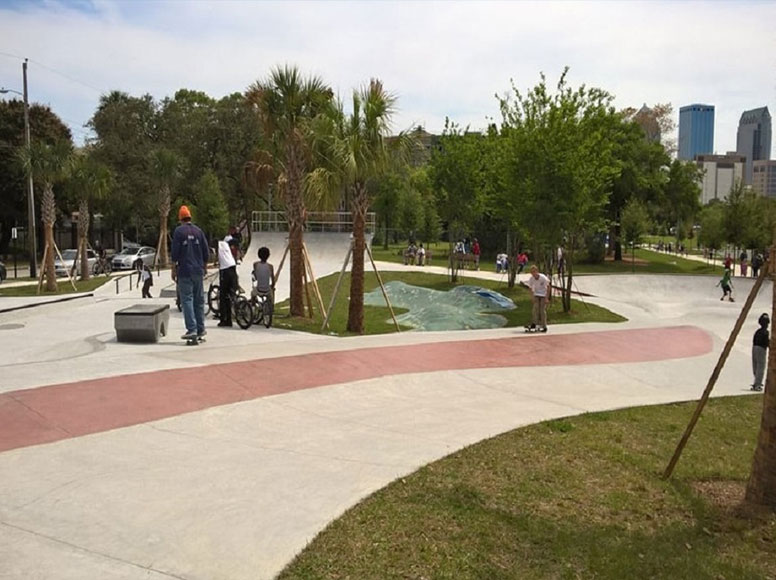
203 333
543 329
222 323
757 388
189 336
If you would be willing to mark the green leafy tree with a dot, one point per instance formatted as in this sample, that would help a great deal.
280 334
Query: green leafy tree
712 221
634 224
212 214
560 164
388 192
46 127
125 129
457 172
681 198
286 103
48 165
89 181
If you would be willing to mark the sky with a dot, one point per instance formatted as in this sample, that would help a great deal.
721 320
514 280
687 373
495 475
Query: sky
441 59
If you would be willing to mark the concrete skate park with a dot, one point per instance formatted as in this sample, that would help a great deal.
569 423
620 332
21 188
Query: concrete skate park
224 460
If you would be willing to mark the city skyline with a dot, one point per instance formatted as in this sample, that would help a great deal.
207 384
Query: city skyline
441 59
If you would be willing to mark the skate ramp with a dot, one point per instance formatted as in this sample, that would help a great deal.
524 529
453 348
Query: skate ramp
327 251
659 299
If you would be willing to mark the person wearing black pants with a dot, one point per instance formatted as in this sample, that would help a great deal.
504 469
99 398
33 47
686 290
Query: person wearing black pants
227 282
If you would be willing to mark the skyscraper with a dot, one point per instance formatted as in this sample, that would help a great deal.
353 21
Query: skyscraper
696 130
754 138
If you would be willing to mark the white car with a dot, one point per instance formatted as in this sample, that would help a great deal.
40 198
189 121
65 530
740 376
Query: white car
65 265
128 258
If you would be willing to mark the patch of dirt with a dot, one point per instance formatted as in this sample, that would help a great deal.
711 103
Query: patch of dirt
727 496
628 260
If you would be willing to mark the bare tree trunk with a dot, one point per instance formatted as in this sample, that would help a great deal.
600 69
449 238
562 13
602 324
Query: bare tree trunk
48 215
164 214
360 204
761 488
83 232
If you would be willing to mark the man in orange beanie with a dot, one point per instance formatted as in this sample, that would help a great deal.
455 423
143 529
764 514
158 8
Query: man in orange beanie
190 254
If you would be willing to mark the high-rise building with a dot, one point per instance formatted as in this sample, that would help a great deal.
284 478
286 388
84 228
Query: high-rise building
720 174
696 131
754 138
764 177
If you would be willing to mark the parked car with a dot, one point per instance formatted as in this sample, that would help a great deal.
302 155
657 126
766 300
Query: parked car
128 258
65 265
3 272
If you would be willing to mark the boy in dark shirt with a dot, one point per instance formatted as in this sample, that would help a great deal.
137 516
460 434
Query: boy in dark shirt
759 352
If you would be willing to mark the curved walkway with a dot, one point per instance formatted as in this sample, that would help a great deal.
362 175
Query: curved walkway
225 460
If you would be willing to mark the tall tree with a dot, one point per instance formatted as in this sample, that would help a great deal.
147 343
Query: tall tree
212 216
126 134
45 126
89 181
561 164
166 169
634 223
48 165
359 155
286 104
681 199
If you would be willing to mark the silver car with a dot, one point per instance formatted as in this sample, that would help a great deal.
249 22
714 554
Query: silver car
65 265
128 258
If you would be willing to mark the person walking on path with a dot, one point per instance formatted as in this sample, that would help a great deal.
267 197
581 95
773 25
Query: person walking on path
539 284
190 254
760 351
727 285
148 281
476 252
227 281
743 262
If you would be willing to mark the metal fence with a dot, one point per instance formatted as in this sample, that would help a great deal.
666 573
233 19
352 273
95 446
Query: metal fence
334 222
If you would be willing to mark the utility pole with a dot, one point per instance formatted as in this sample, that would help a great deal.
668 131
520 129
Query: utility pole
30 192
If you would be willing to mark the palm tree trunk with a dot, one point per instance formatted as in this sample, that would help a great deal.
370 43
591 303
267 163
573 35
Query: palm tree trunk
295 215
83 232
356 306
48 215
164 213
761 488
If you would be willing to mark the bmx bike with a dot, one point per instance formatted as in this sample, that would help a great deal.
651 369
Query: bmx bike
242 311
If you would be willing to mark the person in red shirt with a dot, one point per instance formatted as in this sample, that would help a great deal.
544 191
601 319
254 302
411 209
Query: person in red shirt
476 252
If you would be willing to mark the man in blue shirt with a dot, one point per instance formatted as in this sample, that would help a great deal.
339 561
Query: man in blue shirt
190 253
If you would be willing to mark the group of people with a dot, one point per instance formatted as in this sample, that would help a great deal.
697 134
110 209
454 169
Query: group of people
190 254
758 259
467 251
415 255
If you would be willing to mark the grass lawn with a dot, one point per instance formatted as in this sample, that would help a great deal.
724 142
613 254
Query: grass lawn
647 262
575 498
377 320
63 285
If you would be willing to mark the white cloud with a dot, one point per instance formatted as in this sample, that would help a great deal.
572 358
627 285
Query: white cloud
441 58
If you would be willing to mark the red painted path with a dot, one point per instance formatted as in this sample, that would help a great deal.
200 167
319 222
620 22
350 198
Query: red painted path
47 414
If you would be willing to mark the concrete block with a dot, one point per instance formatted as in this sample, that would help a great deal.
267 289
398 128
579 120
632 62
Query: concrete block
142 322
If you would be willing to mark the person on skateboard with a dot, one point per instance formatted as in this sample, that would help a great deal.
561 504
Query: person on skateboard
541 290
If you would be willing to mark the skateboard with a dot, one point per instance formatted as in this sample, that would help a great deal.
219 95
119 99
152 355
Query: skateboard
194 341
531 329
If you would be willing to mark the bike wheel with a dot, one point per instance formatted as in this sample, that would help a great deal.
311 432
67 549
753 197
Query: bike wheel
267 309
243 312
213 296
258 312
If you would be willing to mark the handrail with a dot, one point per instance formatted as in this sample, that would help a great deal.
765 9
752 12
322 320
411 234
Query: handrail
275 221
122 276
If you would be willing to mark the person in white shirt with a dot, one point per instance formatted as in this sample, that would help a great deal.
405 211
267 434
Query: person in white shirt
227 281
541 290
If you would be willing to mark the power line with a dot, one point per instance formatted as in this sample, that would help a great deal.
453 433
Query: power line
68 77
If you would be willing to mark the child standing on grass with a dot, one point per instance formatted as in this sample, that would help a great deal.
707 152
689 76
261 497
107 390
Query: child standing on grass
760 351
727 285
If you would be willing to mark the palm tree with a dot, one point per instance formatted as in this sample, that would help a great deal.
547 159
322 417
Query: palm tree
358 154
48 164
166 168
90 180
286 103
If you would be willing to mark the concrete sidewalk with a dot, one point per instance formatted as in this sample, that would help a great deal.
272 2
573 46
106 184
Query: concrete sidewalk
223 461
